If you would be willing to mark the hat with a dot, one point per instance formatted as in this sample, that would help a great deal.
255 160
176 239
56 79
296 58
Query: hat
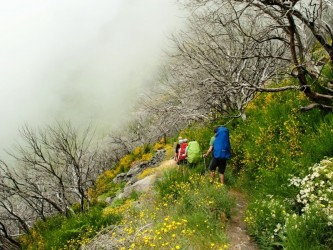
179 138
185 140
181 141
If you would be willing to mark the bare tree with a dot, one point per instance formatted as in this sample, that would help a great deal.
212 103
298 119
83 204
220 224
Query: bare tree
6 241
205 75
119 144
245 46
144 126
171 105
54 168
14 218
156 123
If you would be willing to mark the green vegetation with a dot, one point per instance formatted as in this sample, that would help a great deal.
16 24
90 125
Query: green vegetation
280 158
188 211
104 185
59 232
275 152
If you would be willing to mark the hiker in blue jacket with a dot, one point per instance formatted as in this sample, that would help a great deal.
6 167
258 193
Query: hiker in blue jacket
220 146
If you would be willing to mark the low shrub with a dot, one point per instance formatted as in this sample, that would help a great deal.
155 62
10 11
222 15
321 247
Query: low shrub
304 221
59 232
188 211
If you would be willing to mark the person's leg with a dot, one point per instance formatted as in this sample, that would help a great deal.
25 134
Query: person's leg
222 163
222 178
180 166
212 168
212 175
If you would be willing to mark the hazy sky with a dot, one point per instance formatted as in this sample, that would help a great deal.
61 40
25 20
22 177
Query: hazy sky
83 60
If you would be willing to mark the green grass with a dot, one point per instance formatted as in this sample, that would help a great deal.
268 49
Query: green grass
308 232
59 232
275 143
187 211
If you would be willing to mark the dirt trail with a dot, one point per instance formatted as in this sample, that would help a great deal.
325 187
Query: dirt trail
236 229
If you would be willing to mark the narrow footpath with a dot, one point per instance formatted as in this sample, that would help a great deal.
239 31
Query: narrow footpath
236 229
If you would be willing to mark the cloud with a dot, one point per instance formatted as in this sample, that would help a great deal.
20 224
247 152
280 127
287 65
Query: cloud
82 60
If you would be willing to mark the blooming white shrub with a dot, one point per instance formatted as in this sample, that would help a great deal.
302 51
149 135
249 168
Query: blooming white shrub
266 219
316 189
275 221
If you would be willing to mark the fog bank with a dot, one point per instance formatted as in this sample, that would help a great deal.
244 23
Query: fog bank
84 61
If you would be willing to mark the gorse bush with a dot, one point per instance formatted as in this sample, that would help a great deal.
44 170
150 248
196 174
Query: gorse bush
159 145
117 210
273 144
272 139
104 183
140 153
166 186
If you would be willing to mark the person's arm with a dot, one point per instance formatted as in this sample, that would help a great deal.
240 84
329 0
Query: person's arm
211 144
177 151
208 151
179 154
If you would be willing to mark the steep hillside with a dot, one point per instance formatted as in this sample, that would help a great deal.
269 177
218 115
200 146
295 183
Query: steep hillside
279 161
276 152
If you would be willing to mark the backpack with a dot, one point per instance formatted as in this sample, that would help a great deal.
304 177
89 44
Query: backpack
193 152
221 147
182 152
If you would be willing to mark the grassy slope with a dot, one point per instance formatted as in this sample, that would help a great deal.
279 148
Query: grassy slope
275 142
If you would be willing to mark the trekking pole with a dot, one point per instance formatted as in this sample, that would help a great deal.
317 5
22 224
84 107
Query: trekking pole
183 171
204 160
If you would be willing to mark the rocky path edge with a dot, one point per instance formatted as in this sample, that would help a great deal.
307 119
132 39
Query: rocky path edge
236 231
